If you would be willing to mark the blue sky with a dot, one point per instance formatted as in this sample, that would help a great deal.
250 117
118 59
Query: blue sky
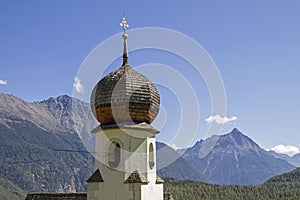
254 44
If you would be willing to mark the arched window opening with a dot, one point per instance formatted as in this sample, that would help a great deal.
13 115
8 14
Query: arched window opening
151 156
114 154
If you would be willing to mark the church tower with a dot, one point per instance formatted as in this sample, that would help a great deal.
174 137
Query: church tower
125 103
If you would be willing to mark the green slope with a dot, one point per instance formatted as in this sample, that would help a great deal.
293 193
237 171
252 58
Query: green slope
290 177
35 160
9 191
282 187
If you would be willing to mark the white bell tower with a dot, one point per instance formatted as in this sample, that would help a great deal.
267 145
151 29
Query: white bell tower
125 103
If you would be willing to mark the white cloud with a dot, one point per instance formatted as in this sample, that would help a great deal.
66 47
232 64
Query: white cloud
78 86
286 149
220 120
3 82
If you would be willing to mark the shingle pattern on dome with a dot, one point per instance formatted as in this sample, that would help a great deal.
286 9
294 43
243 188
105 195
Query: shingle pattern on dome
125 95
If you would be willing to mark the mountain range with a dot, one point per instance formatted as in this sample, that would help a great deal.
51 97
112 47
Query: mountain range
36 139
46 145
236 159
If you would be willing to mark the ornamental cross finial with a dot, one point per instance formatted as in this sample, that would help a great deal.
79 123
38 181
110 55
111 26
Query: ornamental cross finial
124 24
124 36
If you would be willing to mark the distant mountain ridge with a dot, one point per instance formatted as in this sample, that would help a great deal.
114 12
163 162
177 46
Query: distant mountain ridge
294 160
63 113
234 159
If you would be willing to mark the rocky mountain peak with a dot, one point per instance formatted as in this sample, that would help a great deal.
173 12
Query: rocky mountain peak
54 114
235 130
238 140
73 115
224 159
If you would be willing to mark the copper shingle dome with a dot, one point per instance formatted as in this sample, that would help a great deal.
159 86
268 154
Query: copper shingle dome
125 95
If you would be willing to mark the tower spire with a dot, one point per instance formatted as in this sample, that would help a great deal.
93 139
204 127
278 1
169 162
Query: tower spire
125 25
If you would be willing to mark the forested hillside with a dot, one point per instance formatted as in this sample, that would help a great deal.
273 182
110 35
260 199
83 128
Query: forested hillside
285 186
10 191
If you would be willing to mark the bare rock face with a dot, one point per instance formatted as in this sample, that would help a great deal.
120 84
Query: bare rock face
73 115
36 112
59 114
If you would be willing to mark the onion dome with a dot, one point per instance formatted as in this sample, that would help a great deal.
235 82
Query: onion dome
125 95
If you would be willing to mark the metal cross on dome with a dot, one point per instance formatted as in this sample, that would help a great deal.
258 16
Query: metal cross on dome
124 24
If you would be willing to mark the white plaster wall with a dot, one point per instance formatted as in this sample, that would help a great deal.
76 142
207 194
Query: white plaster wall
152 192
134 156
